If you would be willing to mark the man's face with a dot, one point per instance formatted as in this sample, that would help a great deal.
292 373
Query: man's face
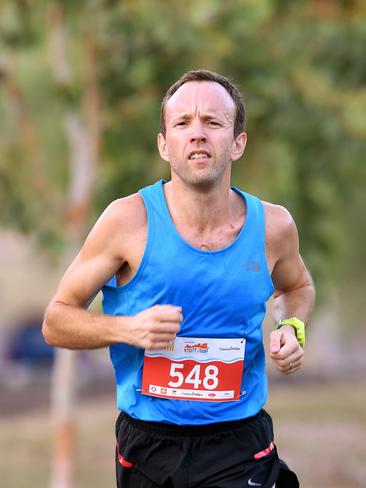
199 142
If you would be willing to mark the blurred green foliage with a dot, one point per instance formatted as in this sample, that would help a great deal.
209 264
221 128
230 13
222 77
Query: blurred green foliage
300 65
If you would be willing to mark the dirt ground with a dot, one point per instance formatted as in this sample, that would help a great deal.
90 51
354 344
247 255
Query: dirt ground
320 430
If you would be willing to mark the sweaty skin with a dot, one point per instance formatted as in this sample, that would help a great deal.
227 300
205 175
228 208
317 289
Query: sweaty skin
200 146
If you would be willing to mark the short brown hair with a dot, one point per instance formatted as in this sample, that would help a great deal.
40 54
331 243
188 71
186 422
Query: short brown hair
205 75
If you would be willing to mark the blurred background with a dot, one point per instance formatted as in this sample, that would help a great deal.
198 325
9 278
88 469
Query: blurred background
80 91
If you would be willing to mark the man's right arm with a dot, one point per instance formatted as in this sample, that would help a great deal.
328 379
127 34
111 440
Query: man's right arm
67 321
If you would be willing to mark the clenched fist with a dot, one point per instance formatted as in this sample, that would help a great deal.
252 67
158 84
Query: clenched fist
285 350
155 327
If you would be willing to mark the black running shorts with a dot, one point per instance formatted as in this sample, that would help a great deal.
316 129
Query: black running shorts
236 454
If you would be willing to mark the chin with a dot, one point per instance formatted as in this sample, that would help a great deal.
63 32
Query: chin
204 178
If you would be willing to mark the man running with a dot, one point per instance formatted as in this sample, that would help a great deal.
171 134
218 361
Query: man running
186 267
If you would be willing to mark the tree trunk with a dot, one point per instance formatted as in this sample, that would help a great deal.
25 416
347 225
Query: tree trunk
83 135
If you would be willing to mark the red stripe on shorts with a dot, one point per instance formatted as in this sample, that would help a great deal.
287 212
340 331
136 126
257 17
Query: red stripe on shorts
121 460
265 452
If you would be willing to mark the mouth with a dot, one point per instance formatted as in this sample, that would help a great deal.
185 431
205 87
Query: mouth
194 155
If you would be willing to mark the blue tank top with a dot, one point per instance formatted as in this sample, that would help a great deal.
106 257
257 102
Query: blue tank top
222 293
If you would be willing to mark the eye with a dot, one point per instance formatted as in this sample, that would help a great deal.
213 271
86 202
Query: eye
180 124
214 123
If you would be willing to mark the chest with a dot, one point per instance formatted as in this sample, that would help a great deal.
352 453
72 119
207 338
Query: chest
210 240
134 246
206 240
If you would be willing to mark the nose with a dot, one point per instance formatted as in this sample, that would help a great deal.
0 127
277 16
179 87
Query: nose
197 132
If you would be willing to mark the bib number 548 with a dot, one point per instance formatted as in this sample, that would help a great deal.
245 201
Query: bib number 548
209 380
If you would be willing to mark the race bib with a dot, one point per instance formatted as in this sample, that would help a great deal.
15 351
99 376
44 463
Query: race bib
195 369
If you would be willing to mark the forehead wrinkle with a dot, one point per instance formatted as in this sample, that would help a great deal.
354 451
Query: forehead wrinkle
225 116
209 98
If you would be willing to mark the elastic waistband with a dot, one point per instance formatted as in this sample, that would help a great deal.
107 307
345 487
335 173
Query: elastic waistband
188 430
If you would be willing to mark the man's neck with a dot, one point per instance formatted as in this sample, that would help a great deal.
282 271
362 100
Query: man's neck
202 209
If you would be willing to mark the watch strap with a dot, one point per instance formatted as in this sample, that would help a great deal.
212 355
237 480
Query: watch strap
298 325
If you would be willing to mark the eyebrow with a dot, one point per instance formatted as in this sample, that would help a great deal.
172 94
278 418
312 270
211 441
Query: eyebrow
187 116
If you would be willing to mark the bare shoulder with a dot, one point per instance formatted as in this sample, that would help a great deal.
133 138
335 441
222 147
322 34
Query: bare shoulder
281 231
278 217
123 220
107 247
124 213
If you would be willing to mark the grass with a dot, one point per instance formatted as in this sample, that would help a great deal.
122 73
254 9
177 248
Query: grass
319 429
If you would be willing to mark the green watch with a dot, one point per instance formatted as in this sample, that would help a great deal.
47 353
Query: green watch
298 325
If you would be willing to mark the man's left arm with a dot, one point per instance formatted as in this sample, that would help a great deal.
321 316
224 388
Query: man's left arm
294 292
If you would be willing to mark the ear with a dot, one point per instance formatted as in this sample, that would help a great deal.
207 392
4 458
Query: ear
238 146
162 146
